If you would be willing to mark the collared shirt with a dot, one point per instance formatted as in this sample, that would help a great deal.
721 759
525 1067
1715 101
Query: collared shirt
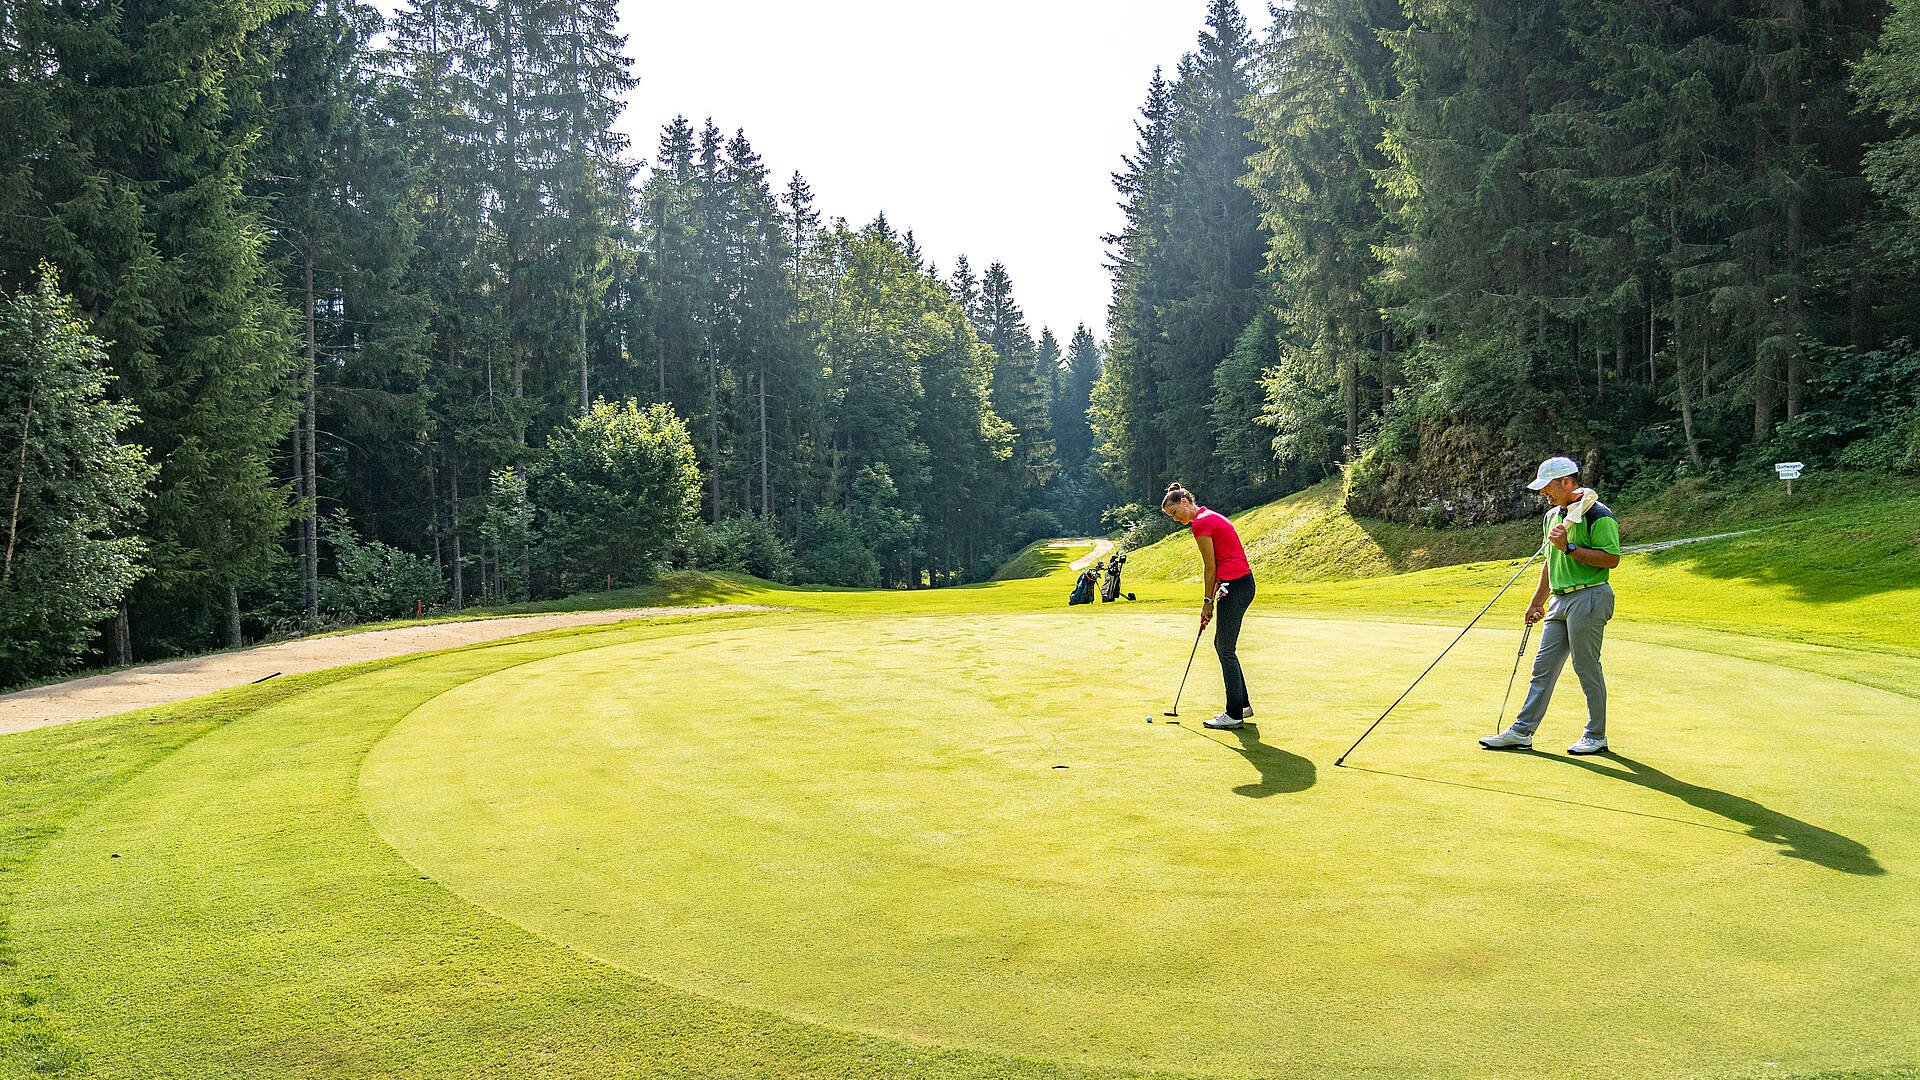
1600 531
1229 558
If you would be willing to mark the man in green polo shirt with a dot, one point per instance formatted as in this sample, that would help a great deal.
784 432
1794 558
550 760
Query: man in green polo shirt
1583 544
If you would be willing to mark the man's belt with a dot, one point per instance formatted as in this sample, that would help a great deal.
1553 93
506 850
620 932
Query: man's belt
1569 590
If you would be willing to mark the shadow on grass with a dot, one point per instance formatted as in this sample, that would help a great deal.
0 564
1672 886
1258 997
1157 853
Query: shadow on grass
1800 839
1281 773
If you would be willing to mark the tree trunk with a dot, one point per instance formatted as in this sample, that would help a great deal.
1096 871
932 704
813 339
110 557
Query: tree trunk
453 517
1386 368
766 500
1686 395
713 425
1860 309
584 400
1797 175
310 514
234 640
19 484
119 639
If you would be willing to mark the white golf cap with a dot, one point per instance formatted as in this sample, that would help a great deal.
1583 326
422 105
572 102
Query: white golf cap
1553 469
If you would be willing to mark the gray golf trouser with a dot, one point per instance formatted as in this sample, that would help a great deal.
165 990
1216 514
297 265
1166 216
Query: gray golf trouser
1575 624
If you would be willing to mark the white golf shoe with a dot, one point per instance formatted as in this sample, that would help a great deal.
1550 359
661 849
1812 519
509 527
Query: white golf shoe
1588 746
1507 740
1223 722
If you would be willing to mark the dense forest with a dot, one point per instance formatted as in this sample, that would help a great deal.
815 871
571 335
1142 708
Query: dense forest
398 319
1432 241
310 316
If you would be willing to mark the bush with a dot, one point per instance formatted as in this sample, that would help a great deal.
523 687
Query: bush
746 544
373 580
831 553
1863 410
615 488
1138 525
72 489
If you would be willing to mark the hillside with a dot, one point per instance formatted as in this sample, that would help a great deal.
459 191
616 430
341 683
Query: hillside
1309 536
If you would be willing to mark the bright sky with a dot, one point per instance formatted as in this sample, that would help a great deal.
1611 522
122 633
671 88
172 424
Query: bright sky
989 128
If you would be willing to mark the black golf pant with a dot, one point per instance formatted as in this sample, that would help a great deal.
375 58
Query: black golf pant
1228 611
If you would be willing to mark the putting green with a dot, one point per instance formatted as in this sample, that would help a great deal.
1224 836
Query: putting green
960 830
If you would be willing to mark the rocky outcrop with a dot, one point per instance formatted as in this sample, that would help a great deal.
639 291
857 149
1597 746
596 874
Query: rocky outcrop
1460 474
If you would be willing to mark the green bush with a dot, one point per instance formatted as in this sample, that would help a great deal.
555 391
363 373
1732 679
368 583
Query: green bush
71 490
1138 525
614 488
831 553
748 544
373 580
1863 410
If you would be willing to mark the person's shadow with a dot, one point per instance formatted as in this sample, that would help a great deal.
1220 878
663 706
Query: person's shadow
1281 773
1800 839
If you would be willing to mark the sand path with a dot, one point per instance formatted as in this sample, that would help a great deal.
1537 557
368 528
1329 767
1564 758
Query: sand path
176 680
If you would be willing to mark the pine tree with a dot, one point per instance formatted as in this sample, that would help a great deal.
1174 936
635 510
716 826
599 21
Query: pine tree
1017 396
1126 400
1214 240
136 196
1325 72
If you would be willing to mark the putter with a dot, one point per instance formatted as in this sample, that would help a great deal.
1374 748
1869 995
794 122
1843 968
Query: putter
1175 711
1500 718
1443 653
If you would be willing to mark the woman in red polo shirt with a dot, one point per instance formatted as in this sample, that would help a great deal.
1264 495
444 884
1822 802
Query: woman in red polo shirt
1224 569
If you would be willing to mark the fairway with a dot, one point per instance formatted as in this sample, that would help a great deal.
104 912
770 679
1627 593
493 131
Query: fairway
959 831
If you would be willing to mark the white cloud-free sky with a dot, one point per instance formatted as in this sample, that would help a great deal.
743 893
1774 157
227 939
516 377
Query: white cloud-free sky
989 128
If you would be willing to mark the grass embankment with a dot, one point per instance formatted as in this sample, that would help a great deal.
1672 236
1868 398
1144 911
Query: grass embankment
1842 568
1042 558
1310 536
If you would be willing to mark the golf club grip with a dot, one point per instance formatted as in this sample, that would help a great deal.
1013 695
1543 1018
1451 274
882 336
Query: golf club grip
1443 652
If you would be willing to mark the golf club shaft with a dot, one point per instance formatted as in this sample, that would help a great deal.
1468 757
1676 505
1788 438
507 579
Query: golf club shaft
1500 718
1175 711
1443 653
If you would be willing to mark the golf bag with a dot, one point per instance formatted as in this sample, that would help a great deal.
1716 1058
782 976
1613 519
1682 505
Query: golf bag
1083 589
1110 588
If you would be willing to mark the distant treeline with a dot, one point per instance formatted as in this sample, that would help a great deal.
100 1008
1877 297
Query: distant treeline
1436 239
357 281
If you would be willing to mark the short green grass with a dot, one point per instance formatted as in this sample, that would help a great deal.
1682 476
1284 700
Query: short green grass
830 842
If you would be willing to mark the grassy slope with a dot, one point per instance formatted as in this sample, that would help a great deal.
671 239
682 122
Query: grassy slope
1842 571
1843 575
1309 536
1042 558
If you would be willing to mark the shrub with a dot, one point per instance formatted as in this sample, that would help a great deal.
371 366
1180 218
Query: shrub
615 487
831 553
373 580
748 544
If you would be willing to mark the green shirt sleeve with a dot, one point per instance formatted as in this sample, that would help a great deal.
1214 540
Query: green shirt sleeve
1602 535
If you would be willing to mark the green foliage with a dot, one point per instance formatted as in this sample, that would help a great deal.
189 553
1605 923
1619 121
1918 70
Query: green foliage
613 487
509 528
1887 81
70 493
1139 526
373 580
1865 407
831 552
745 544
